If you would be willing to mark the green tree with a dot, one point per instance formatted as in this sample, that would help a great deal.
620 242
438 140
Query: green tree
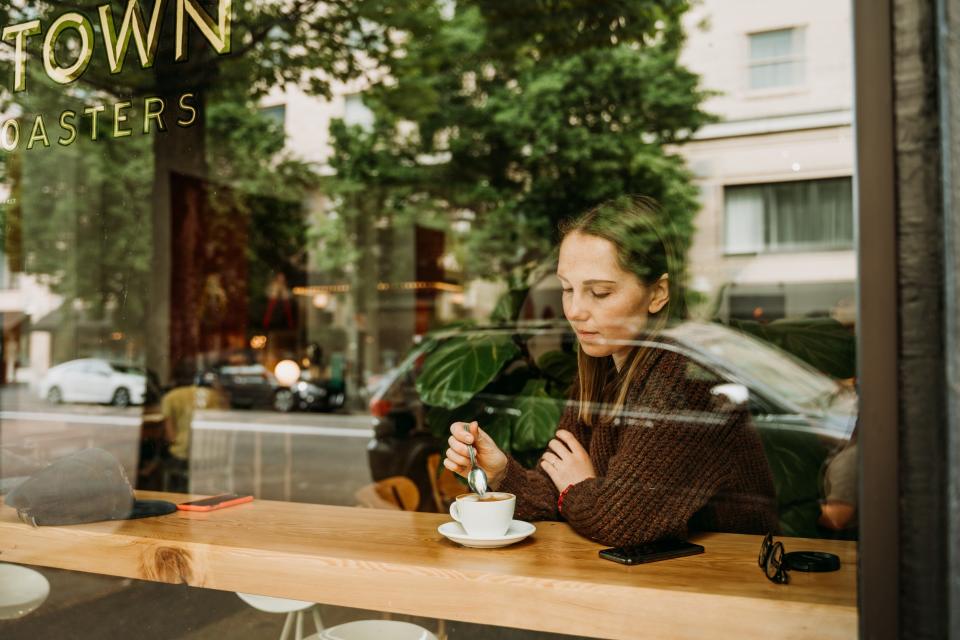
525 114
93 218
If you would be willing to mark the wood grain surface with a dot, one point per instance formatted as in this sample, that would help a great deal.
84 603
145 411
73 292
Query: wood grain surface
397 562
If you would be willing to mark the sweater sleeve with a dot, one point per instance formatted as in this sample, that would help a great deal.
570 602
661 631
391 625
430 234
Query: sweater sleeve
665 470
536 494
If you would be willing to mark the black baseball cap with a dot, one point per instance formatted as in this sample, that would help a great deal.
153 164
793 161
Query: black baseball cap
86 486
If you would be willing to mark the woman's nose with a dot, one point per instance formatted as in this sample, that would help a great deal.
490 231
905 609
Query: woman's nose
574 310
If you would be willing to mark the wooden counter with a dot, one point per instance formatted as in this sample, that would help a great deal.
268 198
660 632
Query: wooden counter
396 561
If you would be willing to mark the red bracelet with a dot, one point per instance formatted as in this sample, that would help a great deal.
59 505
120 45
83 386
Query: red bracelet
563 494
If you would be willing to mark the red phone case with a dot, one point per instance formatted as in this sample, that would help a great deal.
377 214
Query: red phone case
186 506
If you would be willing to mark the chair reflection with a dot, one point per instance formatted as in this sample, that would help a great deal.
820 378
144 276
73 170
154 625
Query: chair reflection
212 460
395 492
375 630
294 609
444 484
210 467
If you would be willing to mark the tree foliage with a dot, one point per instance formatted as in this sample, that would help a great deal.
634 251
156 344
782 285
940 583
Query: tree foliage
83 218
494 119
519 115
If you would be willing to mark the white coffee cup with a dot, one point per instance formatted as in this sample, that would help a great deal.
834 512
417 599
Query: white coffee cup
487 517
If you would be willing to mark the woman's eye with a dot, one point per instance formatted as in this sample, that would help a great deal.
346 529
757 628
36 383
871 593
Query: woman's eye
568 290
600 295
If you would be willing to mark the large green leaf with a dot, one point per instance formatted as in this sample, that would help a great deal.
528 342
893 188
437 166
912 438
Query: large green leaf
508 306
558 366
461 367
439 420
539 415
499 426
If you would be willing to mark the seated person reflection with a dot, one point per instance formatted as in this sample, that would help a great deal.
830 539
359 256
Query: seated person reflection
178 407
839 510
641 453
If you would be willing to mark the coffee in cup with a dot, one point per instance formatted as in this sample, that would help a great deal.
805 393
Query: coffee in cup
488 516
497 497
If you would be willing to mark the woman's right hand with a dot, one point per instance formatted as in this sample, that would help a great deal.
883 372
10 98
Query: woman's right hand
489 456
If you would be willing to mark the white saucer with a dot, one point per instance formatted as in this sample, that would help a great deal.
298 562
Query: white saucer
518 531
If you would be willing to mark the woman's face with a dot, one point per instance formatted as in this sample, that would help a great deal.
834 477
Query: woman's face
604 304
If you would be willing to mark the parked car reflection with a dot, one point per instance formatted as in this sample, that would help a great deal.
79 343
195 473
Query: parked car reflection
801 414
309 395
248 386
94 380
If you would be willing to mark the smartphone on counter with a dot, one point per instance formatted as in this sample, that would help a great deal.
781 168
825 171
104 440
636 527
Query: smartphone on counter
643 553
215 502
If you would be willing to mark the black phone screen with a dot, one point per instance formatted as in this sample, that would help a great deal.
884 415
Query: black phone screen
214 500
652 552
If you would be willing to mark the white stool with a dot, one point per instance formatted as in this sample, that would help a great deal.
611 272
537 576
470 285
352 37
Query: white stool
375 630
21 591
293 608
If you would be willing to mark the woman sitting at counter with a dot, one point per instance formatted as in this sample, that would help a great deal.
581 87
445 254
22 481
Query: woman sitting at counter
642 452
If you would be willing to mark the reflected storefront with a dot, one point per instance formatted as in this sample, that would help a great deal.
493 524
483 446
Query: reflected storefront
297 250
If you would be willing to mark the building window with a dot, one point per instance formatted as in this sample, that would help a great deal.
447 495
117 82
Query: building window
789 216
277 113
776 59
356 113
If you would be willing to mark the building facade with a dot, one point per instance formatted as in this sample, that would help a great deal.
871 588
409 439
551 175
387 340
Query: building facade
775 233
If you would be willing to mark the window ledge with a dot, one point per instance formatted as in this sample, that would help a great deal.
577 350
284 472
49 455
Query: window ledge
777 92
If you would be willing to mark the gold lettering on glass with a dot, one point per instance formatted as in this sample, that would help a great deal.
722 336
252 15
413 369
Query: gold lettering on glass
94 113
67 126
149 114
146 38
66 75
120 117
187 107
218 35
19 34
5 129
39 133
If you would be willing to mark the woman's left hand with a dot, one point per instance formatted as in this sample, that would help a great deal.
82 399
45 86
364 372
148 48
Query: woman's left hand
566 461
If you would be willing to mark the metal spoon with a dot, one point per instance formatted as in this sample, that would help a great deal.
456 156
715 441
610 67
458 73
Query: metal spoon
476 478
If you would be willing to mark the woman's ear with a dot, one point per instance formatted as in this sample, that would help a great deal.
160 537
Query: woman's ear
659 294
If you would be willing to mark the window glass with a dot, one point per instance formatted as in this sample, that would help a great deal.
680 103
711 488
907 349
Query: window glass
787 216
288 249
776 59
356 113
277 113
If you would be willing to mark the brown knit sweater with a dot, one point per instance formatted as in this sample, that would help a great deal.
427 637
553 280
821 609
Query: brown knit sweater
678 458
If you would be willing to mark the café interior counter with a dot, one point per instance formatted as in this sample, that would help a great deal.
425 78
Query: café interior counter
396 561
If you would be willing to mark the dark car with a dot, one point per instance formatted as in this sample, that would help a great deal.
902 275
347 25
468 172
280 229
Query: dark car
310 395
800 414
247 385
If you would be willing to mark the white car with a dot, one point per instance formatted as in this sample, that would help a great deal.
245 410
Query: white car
94 380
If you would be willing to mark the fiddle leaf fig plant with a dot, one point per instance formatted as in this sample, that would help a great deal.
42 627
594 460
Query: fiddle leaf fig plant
461 367
491 377
536 410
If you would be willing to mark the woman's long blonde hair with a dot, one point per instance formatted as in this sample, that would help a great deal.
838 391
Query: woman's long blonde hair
635 226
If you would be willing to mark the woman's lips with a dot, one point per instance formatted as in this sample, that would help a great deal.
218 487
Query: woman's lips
586 334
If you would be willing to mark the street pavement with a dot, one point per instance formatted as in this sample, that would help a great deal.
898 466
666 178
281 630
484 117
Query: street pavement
301 457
